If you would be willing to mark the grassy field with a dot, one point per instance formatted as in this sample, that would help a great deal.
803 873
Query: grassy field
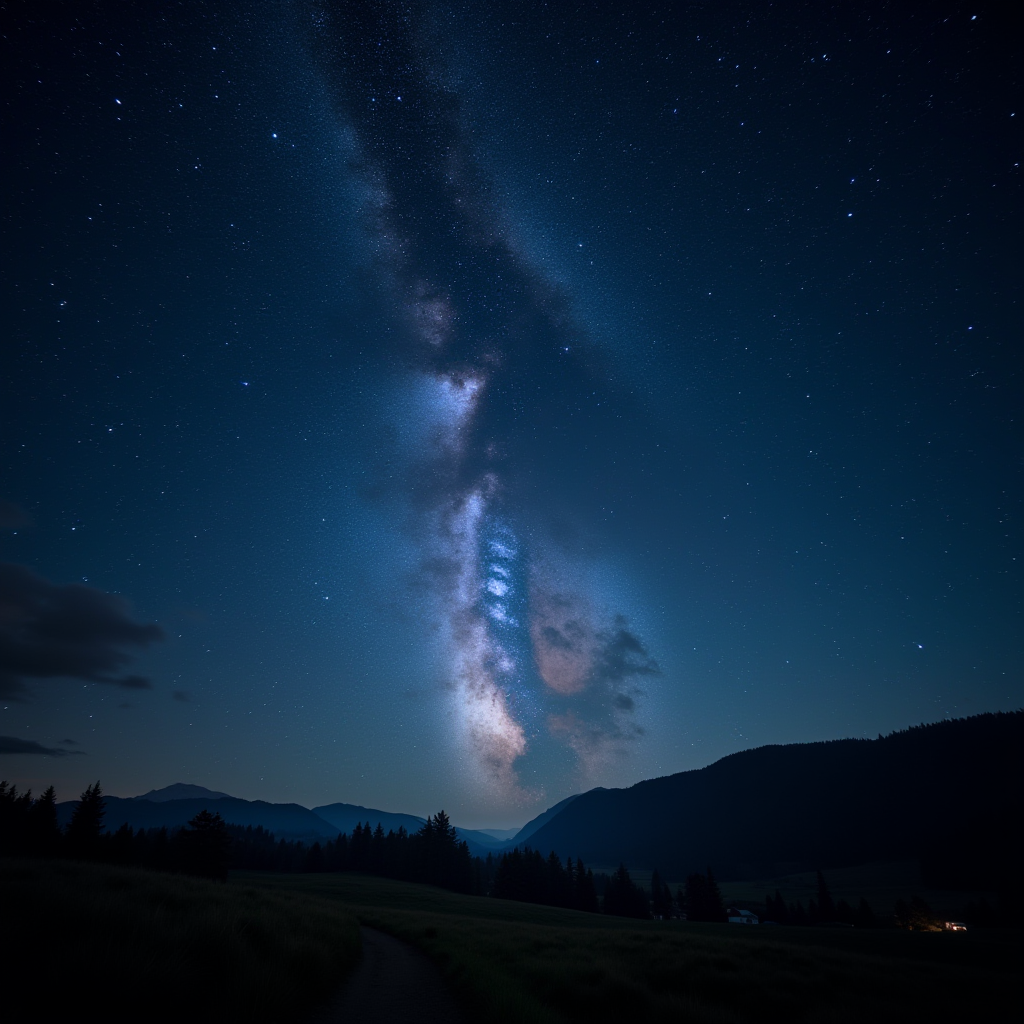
517 962
880 884
82 941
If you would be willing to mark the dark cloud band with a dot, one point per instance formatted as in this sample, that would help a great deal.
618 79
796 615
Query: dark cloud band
49 631
15 745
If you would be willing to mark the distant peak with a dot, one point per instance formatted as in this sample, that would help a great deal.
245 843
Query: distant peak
182 791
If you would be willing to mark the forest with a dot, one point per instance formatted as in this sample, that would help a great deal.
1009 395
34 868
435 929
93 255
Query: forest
209 847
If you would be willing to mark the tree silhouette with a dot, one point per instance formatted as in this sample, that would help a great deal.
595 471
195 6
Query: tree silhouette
43 830
584 890
204 845
315 860
703 898
775 909
864 917
623 898
826 908
122 845
86 825
14 812
661 897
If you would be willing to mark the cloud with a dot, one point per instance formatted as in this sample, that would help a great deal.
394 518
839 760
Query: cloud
12 516
622 656
14 745
50 630
593 673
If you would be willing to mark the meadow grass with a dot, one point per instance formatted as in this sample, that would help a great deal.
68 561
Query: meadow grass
518 963
101 942
881 884
80 939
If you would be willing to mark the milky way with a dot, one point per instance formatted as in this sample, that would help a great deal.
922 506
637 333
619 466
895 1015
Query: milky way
534 655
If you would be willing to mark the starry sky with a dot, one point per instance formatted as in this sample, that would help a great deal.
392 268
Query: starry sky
424 405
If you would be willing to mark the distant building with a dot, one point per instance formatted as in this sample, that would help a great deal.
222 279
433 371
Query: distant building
737 916
954 926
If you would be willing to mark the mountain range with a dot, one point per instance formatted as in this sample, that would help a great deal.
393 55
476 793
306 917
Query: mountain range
175 805
948 795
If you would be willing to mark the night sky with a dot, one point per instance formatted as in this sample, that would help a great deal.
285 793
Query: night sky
463 406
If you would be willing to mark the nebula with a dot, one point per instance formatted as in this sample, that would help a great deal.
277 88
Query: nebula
517 397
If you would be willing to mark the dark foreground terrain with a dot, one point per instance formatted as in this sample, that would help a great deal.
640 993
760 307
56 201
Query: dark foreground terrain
80 939
91 941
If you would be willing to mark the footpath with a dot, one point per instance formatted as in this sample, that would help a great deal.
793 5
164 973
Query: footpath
393 984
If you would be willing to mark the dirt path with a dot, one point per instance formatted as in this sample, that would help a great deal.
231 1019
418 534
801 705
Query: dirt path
393 984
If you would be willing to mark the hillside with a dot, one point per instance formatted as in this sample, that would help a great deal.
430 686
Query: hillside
287 821
345 817
948 795
173 806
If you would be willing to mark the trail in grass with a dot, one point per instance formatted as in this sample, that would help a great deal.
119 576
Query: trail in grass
393 984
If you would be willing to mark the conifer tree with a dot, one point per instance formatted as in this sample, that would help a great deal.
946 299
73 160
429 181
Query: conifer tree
377 849
14 812
122 844
865 917
205 845
661 897
586 890
826 908
703 898
314 859
623 898
86 825
44 832
715 905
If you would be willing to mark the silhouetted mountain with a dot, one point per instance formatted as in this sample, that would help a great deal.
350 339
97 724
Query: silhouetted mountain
481 843
345 817
284 820
173 806
948 794
182 791
502 835
542 819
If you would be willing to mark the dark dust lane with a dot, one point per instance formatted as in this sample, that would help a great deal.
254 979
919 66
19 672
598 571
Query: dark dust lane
393 983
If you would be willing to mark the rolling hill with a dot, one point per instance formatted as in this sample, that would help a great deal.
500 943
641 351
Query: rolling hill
948 794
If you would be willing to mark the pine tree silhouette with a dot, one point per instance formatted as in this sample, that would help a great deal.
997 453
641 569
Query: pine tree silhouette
86 825
315 860
44 832
865 918
703 898
826 908
623 898
661 897
205 844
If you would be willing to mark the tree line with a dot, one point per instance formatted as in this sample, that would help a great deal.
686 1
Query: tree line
208 846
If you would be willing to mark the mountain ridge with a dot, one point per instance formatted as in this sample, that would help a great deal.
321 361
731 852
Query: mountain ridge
937 793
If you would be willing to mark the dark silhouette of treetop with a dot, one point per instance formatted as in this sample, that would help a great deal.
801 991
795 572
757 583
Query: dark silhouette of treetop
205 845
86 825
